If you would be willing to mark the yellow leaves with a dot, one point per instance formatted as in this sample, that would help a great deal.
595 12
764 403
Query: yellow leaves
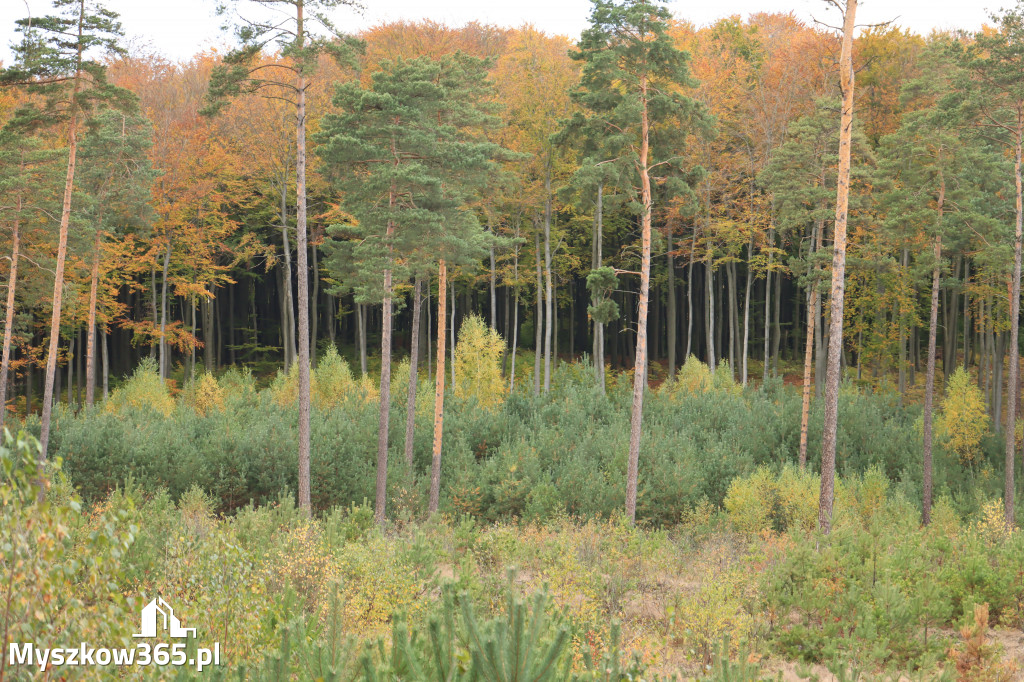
776 502
964 419
696 377
478 364
331 384
205 395
144 390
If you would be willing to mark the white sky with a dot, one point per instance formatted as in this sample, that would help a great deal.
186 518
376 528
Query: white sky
179 28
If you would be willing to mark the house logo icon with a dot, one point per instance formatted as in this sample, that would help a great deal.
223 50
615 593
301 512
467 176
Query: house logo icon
151 615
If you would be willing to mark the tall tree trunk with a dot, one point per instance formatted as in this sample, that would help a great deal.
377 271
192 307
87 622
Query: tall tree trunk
539 320
62 252
598 261
515 313
232 351
967 321
314 317
493 289
12 283
747 308
767 305
835 347
1012 387
302 249
414 357
286 280
153 348
164 349
689 298
435 462
929 383
548 293
106 366
192 354
361 332
709 317
813 303
777 322
901 385
209 333
640 361
385 403
71 367
384 419
430 346
451 287
670 320
998 354
730 273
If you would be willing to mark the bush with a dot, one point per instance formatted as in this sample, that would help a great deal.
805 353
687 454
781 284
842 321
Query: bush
478 364
143 390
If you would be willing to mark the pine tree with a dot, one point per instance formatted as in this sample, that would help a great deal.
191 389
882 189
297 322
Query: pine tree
835 337
28 179
632 74
57 59
117 176
996 91
407 153
802 179
243 72
934 164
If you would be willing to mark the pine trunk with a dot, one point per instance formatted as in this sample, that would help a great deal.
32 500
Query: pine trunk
414 358
1011 395
640 361
62 252
835 347
12 283
435 463
670 318
302 250
549 310
539 319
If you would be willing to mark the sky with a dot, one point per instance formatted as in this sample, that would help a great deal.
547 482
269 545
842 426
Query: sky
178 29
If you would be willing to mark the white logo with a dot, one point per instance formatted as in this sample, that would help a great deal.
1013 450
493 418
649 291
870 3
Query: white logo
170 622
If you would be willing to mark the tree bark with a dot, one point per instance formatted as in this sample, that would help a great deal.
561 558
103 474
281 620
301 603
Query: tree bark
689 298
709 317
1012 388
767 306
106 366
835 347
929 384
302 249
12 283
640 361
62 252
515 318
548 294
670 318
746 310
493 289
164 349
384 419
730 274
539 320
361 331
813 303
435 463
598 261
414 357
286 280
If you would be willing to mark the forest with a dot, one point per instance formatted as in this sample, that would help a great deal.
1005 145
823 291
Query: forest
433 352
